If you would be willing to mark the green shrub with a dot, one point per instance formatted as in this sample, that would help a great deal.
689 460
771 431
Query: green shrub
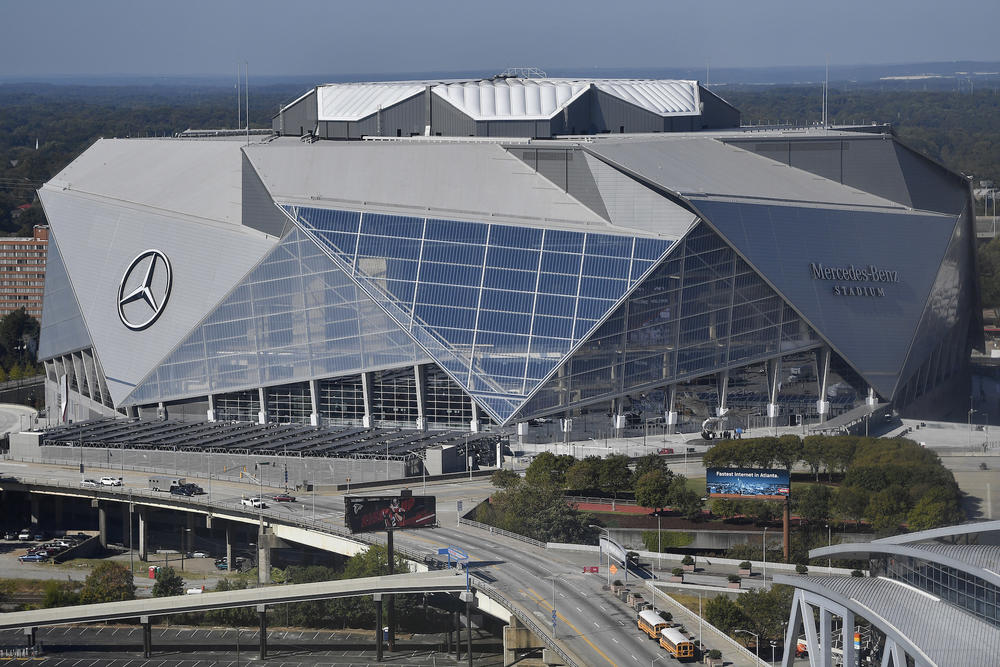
857 573
715 654
665 540
745 565
677 572
734 578
801 569
687 560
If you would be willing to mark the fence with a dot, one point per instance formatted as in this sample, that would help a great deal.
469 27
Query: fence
503 533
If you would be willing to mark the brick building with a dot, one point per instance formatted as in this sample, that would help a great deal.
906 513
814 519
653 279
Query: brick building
22 272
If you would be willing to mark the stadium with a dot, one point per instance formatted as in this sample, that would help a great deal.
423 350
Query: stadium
481 255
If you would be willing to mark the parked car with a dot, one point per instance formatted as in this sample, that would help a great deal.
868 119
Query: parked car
199 554
24 535
10 535
253 502
283 498
111 481
33 558
238 562
90 483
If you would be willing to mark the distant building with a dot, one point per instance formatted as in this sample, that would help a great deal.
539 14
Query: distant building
933 598
22 272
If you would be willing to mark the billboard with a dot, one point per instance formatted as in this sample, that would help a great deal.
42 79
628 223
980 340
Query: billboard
366 514
758 483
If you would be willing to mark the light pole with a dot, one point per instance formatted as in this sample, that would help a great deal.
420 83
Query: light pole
553 578
773 644
756 642
971 411
763 549
829 542
609 552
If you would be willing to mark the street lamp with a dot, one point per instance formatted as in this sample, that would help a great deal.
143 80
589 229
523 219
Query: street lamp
553 577
756 643
971 411
829 542
609 551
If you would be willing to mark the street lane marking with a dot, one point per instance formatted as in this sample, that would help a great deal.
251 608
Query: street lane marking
541 601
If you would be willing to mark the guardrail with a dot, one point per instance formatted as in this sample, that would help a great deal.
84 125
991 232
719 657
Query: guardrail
526 619
504 533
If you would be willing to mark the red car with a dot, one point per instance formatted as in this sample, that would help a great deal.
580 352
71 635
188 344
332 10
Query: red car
283 498
667 450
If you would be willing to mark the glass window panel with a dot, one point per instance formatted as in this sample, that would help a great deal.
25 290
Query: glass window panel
512 258
459 232
443 316
556 262
593 309
453 253
521 281
561 241
558 327
382 247
551 283
555 305
515 302
490 320
450 274
602 288
605 267
609 246
344 244
500 342
650 248
515 237
381 224
444 295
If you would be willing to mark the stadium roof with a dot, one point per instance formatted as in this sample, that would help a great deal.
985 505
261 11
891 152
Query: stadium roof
983 560
506 98
941 633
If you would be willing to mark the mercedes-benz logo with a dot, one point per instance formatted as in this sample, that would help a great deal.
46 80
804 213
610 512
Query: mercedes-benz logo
144 289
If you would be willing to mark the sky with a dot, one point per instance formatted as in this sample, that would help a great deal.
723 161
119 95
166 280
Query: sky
52 38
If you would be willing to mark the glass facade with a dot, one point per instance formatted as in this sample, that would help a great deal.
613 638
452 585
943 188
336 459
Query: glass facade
498 306
289 403
394 397
974 594
342 400
445 402
238 406
294 317
702 310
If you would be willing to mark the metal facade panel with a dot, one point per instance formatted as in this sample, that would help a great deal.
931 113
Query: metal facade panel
610 113
63 330
716 112
872 166
662 97
581 185
355 101
199 178
931 186
449 121
298 118
259 211
873 330
101 238
706 166
631 204
447 178
822 158
511 98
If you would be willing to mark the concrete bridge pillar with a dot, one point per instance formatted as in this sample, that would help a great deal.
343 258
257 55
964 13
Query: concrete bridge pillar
517 640
189 533
468 597
36 512
143 534
263 558
102 524
126 525
147 637
229 546
262 614
30 635
377 597
57 510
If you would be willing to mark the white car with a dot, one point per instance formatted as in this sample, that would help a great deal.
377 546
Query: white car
253 502
111 481
90 483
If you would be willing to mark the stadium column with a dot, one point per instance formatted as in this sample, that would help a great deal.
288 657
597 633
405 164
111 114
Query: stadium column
722 386
366 394
211 408
161 411
871 400
671 413
314 402
262 396
822 374
143 534
420 383
847 640
474 424
773 383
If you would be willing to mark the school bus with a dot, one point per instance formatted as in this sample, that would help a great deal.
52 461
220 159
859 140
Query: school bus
676 644
651 623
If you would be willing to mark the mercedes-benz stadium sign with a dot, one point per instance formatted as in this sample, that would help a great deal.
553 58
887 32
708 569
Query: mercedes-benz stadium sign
144 289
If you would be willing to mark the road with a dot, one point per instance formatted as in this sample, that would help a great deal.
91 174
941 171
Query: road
590 622
14 417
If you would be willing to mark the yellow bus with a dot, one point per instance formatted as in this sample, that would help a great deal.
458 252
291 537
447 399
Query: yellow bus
651 623
676 643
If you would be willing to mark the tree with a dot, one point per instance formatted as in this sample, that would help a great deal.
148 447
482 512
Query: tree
788 451
683 499
168 583
505 479
724 614
766 610
108 582
762 451
650 463
849 503
725 508
988 258
547 469
812 452
887 509
813 503
615 475
59 594
936 508
652 490
584 475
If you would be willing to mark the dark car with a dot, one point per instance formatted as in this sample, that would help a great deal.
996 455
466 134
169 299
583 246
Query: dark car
194 489
283 498
32 558
181 491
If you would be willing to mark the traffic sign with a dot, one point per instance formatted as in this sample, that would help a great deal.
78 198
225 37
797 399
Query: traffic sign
457 554
614 569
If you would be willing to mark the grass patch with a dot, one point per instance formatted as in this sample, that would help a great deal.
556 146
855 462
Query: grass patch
689 602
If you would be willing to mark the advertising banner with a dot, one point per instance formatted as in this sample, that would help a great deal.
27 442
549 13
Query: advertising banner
757 483
365 514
